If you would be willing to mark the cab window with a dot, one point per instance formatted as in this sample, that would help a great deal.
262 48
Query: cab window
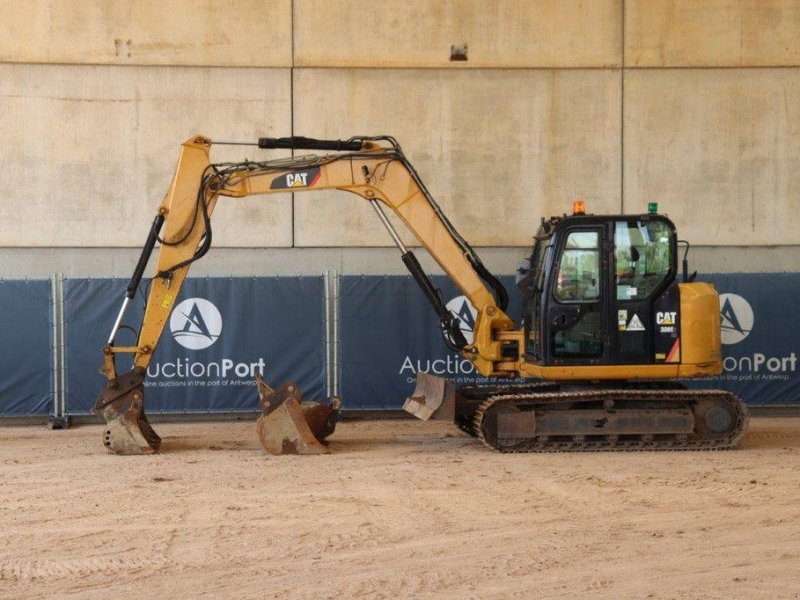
579 269
642 257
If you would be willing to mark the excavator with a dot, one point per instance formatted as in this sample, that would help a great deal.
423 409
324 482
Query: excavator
609 331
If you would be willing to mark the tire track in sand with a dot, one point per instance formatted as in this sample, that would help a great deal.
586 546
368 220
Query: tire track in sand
24 570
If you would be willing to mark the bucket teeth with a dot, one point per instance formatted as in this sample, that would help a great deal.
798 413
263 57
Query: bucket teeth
289 426
127 429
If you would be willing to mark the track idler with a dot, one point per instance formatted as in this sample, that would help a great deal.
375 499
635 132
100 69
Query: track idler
289 426
121 404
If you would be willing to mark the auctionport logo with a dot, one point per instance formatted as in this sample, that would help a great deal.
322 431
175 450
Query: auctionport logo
466 314
736 322
195 323
736 318
453 366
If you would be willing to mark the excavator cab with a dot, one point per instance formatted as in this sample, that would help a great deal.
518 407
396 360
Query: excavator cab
603 290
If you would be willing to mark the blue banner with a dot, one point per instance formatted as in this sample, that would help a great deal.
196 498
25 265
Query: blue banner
760 321
26 348
389 331
221 333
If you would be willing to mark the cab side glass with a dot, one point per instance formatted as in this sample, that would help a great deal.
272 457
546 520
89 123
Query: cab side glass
579 270
642 257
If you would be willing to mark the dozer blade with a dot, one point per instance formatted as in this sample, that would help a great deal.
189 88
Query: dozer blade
289 426
434 397
121 404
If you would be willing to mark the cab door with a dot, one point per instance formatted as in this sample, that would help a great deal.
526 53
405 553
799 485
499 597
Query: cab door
577 315
645 296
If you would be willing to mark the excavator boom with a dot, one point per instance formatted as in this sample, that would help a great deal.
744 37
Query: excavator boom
374 169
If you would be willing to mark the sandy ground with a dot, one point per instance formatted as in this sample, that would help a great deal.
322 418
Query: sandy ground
400 509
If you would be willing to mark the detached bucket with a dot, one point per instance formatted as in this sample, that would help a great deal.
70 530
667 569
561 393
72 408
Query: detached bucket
434 397
289 426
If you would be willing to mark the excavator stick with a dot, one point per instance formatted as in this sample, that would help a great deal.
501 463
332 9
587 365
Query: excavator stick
433 397
288 425
121 404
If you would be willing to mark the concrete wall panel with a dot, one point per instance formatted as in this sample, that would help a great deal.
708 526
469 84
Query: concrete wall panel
420 33
719 33
497 148
718 149
87 152
252 33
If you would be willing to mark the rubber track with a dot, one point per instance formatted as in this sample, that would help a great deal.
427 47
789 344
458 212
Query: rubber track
607 443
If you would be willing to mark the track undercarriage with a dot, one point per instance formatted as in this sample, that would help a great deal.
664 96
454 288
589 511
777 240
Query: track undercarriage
549 417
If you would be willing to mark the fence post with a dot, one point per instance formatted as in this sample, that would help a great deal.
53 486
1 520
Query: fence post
331 284
337 359
58 420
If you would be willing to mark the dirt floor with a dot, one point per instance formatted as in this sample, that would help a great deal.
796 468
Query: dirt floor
400 509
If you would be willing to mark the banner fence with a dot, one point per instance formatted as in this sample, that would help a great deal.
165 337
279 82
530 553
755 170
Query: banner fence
221 333
28 383
363 338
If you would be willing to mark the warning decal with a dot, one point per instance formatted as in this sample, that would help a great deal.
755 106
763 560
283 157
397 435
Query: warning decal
635 324
674 355
622 319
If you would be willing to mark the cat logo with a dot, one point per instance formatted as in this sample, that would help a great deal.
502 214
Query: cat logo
296 179
665 318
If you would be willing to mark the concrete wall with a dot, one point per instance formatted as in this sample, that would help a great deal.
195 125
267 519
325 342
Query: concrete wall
719 149
224 33
712 33
690 103
421 33
88 151
496 147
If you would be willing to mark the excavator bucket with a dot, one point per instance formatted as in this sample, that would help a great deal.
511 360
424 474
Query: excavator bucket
288 425
121 404
433 397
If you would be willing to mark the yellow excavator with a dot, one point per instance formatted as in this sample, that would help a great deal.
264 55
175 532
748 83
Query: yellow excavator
609 327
